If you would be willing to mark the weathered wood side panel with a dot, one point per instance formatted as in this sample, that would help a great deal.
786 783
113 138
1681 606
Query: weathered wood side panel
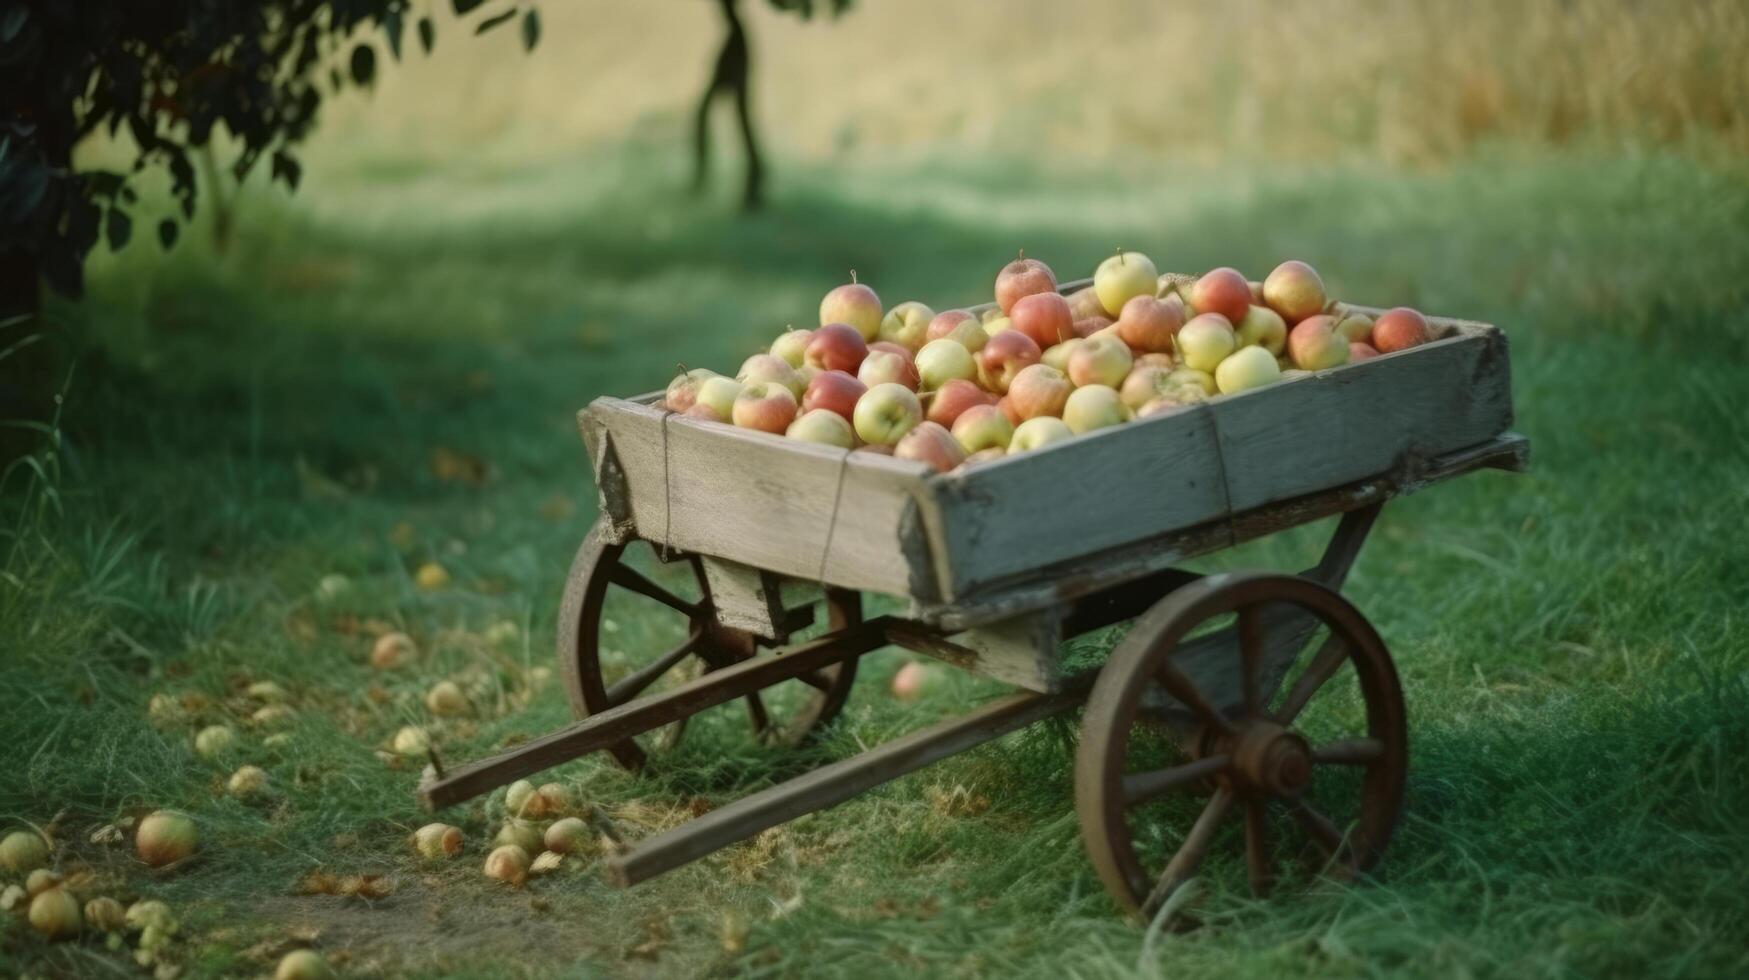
765 501
1127 483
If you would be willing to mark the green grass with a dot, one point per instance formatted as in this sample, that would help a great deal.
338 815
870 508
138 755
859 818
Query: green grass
1572 641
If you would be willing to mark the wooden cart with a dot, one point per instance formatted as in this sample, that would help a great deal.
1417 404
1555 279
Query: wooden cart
1209 695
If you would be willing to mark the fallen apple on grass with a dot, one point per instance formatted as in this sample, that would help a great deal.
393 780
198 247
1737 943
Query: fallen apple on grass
855 304
1021 278
766 407
1123 276
886 413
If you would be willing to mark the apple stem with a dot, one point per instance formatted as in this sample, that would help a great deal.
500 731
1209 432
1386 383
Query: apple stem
1023 255
1120 257
853 277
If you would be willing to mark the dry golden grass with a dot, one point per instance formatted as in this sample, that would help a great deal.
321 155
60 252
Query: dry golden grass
1398 80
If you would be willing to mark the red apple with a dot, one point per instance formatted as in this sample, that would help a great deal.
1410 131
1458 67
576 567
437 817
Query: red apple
1148 325
769 367
1044 317
836 347
892 348
1222 291
1039 390
855 304
767 406
881 366
1100 360
1294 290
945 321
1400 329
1006 404
1313 344
1021 278
930 443
1358 351
699 410
983 427
683 390
951 400
1005 356
1084 303
835 391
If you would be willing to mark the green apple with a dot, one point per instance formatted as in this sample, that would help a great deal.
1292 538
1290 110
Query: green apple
907 325
1246 368
683 390
1262 327
1355 327
1206 341
1037 432
1294 290
792 346
1095 406
983 427
886 413
1058 355
1315 345
719 394
1122 276
824 426
1190 377
940 361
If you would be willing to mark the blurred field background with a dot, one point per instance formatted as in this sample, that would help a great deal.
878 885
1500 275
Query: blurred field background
382 372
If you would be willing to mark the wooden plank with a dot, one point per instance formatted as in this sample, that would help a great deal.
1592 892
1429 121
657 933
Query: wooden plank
789 507
830 785
649 713
1020 650
744 597
1072 581
1108 488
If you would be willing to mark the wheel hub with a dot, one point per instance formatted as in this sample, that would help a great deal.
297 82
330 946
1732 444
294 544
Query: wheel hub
1269 758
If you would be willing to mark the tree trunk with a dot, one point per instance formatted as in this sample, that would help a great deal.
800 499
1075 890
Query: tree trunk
27 381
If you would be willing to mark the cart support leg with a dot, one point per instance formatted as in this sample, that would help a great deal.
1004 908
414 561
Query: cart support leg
832 784
650 713
1344 547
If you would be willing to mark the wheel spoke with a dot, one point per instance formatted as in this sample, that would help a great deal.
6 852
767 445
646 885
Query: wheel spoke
1185 691
1324 832
627 577
633 684
1324 664
756 711
1349 752
816 679
1251 658
1258 866
1191 852
1140 787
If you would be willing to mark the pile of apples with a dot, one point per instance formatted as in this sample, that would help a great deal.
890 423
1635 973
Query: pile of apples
955 388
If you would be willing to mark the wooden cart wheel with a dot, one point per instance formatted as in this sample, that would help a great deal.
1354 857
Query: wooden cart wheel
674 598
1239 744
